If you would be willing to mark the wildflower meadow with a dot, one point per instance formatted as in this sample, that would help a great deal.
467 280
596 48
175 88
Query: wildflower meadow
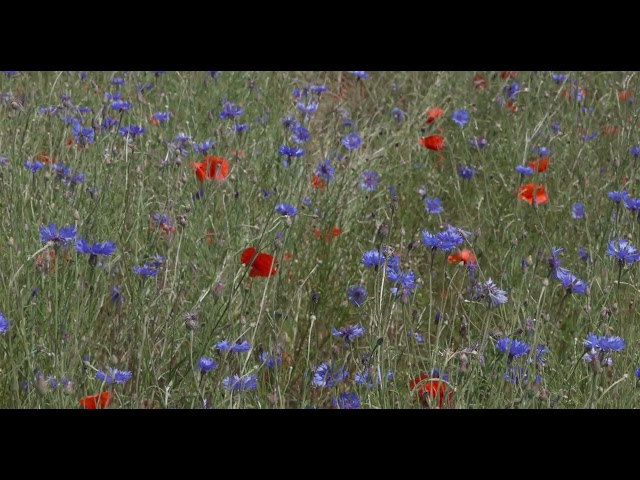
319 240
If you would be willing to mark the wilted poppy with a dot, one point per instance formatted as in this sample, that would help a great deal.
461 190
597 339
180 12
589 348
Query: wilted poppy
505 75
317 182
479 82
434 113
465 256
610 130
527 193
44 158
91 402
539 165
625 95
334 232
262 265
432 142
429 388
511 106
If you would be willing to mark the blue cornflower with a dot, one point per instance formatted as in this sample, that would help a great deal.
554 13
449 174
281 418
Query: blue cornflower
370 180
309 108
569 281
269 360
131 131
116 296
622 251
360 74
161 116
300 135
577 211
466 172
237 384
4 324
583 254
606 344
318 89
635 151
230 111
592 136
346 401
397 114
416 335
540 351
33 165
325 171
120 106
393 263
478 142
286 209
430 240
433 205
206 364
558 77
618 196
116 96
512 90
290 122
348 333
290 152
50 233
372 258
351 141
240 346
555 128
541 151
515 348
103 248
405 279
632 204
356 295
204 146
82 135
145 271
113 376
519 375
108 123
460 117
117 81
157 261
524 170
223 346
449 239
306 201
496 296
326 376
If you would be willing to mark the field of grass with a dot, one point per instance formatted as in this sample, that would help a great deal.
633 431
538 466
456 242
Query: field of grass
319 240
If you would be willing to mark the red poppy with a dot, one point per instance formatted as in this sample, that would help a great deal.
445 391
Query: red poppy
511 106
262 265
287 256
479 82
432 387
527 192
539 165
211 167
44 158
238 153
91 402
317 182
625 95
153 120
610 130
434 113
432 142
505 75
465 256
